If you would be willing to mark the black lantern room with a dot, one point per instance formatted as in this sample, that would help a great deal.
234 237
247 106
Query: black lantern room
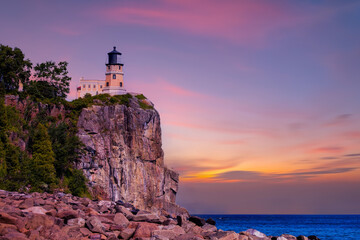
113 58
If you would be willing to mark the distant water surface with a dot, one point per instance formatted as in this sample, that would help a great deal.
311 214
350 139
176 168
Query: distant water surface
326 227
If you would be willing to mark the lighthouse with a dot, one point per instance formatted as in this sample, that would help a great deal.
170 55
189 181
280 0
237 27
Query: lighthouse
114 75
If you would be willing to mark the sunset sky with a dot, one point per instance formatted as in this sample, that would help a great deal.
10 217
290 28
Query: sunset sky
259 100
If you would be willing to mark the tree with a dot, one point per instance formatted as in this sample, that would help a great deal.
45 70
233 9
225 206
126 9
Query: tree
43 157
3 168
65 145
3 121
13 68
56 75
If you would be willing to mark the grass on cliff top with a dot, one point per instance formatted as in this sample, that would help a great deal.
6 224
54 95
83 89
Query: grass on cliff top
142 102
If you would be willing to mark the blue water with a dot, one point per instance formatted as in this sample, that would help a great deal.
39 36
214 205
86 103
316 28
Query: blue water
325 227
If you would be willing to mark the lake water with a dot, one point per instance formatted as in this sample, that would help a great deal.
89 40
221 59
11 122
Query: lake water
326 227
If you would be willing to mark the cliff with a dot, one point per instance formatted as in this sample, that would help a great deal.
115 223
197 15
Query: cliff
122 157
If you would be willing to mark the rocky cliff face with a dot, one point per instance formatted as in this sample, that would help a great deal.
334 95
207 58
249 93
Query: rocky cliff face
124 159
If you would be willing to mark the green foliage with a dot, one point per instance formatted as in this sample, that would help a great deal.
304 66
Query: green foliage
122 99
140 97
3 121
77 183
142 103
13 68
77 105
43 158
41 91
56 77
15 121
66 147
3 167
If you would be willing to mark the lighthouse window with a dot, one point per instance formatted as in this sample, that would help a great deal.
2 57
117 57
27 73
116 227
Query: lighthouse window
119 67
120 84
114 76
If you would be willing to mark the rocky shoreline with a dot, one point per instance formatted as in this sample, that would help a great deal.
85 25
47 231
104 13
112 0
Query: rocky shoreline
40 216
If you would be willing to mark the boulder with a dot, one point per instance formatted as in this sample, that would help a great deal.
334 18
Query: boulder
146 217
79 222
39 220
243 237
256 233
85 232
288 237
197 220
37 210
6 228
27 203
313 237
165 234
222 235
95 225
145 229
209 227
125 211
301 237
7 219
189 236
211 221
67 214
127 233
177 230
121 220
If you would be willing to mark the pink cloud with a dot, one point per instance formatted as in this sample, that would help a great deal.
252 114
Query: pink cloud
328 150
240 22
352 134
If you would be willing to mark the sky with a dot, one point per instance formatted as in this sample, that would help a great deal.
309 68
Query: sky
259 100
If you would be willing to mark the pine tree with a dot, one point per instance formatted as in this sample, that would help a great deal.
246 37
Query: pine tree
43 158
